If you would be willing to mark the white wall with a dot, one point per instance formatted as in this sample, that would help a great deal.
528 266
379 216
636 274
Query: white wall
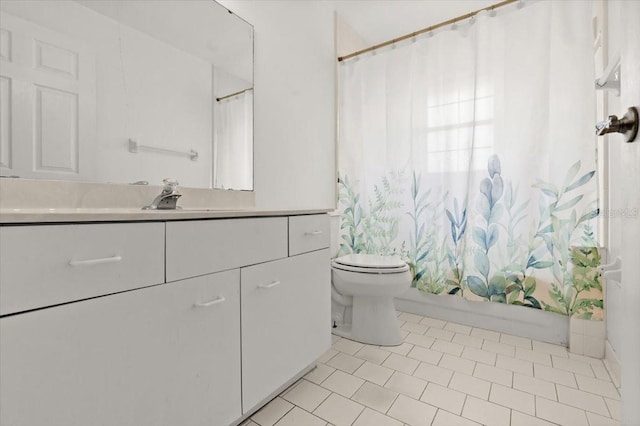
294 95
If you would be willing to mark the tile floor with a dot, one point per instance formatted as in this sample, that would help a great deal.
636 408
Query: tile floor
447 374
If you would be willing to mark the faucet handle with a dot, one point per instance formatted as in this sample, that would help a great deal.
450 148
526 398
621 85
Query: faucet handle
170 184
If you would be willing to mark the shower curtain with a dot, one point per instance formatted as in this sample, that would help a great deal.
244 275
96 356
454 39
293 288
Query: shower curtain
471 154
233 142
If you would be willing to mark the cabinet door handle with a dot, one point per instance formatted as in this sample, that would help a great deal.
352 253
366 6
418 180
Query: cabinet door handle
215 301
269 285
316 232
90 262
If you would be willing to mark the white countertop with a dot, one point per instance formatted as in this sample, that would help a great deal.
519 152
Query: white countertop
74 215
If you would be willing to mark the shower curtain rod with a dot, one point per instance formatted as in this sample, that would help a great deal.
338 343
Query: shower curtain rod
425 30
233 94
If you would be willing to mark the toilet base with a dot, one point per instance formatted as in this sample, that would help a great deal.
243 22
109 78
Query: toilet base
374 322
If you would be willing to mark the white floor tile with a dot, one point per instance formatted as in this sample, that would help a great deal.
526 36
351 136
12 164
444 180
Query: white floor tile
499 348
432 322
376 397
346 363
374 373
249 423
486 413
458 328
297 417
412 327
597 386
425 355
581 399
445 398
401 363
372 418
600 371
412 412
479 355
402 349
327 356
472 341
343 383
513 399
441 334
373 354
420 340
615 408
535 386
338 410
470 385
447 347
433 373
319 374
596 420
521 342
516 365
555 375
272 412
306 395
458 375
347 346
573 365
560 413
587 359
550 349
486 334
493 374
405 384
457 364
536 357
521 419
444 418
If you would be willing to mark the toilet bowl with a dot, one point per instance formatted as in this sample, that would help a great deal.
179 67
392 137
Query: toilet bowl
362 290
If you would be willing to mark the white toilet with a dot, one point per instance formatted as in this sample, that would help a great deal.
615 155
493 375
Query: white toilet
362 290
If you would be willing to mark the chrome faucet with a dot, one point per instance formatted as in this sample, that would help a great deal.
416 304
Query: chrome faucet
168 198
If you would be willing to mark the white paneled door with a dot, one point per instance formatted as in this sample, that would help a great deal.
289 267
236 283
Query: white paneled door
47 101
630 178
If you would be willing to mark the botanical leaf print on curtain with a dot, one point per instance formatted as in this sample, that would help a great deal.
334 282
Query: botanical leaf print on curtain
457 153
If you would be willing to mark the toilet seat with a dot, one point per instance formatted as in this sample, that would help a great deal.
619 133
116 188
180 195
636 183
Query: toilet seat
370 264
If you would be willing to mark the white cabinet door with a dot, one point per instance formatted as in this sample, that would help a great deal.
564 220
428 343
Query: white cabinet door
143 357
285 321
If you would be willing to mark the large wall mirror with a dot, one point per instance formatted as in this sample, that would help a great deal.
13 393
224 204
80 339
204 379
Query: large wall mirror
126 91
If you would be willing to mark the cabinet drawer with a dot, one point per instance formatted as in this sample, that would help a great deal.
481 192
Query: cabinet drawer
308 233
47 265
205 246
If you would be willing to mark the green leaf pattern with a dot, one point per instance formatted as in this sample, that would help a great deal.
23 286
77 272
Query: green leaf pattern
491 245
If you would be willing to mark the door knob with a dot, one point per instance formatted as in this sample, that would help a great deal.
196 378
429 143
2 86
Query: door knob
627 125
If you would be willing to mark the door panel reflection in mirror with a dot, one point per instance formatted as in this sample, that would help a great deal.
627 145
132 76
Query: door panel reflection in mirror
81 78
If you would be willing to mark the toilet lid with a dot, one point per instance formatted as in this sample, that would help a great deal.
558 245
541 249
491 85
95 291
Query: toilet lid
371 263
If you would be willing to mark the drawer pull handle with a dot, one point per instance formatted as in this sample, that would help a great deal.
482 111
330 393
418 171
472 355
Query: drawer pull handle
215 301
90 262
269 285
316 232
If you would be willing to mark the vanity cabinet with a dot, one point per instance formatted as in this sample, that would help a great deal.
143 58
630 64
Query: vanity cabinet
163 355
285 293
160 323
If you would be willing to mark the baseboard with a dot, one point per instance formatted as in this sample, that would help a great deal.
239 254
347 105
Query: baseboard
517 320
